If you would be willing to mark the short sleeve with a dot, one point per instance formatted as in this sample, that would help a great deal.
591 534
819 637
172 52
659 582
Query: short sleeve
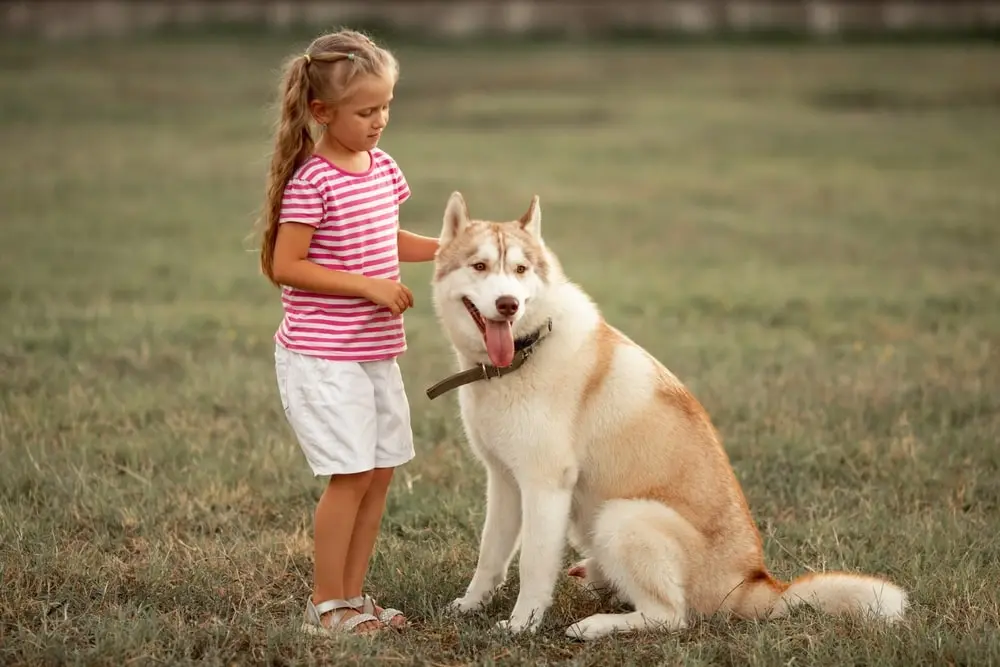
401 188
302 202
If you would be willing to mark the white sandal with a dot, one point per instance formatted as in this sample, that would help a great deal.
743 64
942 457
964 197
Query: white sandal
367 604
314 617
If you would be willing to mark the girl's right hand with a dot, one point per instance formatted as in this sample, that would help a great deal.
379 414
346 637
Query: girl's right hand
394 295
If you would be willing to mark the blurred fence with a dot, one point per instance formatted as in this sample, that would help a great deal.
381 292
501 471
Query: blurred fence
458 18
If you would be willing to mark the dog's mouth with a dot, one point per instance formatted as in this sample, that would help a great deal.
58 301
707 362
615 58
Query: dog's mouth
477 317
497 334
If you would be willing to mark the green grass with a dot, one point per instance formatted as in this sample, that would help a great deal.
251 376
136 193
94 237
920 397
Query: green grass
809 237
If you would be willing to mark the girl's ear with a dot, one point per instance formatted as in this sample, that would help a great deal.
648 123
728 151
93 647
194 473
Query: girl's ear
320 112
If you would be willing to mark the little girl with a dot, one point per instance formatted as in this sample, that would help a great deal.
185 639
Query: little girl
332 242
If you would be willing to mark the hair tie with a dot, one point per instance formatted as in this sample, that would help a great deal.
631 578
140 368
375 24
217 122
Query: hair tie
308 58
350 56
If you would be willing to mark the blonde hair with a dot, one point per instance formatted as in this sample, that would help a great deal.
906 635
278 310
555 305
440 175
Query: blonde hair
325 72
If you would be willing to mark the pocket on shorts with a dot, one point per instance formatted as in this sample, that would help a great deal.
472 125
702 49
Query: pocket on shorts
281 364
394 432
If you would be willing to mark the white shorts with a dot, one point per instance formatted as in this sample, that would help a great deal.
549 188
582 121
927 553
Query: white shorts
348 416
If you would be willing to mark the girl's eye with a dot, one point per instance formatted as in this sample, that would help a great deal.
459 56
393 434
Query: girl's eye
521 268
369 112
479 266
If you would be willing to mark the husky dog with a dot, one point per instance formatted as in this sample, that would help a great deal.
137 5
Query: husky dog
585 436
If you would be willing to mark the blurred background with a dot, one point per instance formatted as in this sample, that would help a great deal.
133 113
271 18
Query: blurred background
512 17
794 205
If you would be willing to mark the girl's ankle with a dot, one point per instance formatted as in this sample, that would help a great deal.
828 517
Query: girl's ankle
318 599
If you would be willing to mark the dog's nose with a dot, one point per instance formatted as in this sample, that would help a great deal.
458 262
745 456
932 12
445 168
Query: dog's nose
507 306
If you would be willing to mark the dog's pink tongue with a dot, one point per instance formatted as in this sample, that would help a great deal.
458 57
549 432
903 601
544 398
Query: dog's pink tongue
499 343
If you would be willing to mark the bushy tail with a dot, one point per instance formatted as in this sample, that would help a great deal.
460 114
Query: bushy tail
832 593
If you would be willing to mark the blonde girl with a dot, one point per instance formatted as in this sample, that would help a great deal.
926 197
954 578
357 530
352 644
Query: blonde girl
333 244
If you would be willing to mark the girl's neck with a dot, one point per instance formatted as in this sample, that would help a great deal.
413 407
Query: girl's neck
342 157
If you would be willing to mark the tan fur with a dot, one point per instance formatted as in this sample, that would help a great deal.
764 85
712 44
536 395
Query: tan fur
454 256
605 339
688 471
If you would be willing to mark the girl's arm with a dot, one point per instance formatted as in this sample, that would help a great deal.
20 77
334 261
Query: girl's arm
292 267
416 248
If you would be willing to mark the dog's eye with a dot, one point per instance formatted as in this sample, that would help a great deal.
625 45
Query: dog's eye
479 266
521 268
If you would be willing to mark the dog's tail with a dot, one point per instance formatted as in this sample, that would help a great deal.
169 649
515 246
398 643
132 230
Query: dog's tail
831 592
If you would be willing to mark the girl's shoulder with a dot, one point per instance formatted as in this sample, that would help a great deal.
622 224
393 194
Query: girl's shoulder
380 158
311 171
320 175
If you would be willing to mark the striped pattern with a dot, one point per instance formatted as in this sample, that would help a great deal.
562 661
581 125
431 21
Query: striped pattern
356 217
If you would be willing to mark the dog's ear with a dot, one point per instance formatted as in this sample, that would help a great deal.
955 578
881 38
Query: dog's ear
456 218
531 221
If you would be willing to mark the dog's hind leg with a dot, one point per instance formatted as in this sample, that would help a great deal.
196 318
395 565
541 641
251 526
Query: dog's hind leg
642 547
499 540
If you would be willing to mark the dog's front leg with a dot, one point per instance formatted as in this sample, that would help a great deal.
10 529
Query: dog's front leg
545 511
499 539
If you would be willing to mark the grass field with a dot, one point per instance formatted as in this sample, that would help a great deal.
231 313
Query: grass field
808 236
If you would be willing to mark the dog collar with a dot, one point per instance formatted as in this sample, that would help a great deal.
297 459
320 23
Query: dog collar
523 348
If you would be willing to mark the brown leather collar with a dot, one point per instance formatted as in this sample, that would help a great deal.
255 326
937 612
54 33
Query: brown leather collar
523 348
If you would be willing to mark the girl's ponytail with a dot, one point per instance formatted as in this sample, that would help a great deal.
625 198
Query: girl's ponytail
293 144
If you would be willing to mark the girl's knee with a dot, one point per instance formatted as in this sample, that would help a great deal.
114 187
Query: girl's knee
358 481
382 475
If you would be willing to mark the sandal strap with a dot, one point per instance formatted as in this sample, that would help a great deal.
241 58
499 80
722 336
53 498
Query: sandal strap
367 603
355 621
369 607
331 605
389 614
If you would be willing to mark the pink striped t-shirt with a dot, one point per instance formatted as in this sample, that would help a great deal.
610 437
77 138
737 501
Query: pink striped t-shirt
356 216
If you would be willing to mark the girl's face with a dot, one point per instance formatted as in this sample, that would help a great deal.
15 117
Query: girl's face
357 122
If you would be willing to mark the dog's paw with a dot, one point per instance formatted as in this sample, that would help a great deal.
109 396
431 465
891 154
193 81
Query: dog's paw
601 625
505 627
514 626
465 605
585 630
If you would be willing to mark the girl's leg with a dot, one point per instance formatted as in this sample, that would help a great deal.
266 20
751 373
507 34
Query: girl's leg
366 527
394 447
331 407
337 520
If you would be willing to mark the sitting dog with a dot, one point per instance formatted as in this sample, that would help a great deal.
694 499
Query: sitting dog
585 436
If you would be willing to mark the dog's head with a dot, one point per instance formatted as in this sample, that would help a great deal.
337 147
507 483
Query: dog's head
487 278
